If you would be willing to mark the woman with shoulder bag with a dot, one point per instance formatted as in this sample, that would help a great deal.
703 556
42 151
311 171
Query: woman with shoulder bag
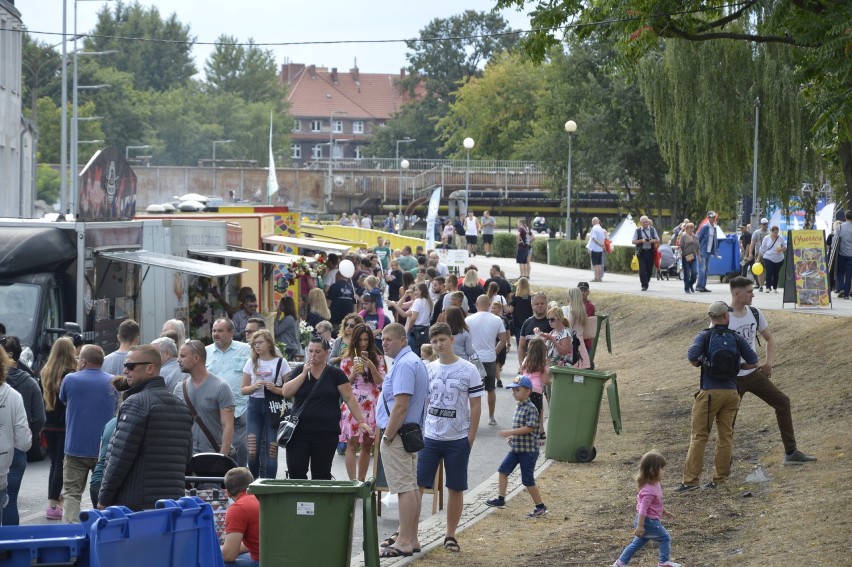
689 257
317 389
365 369
263 375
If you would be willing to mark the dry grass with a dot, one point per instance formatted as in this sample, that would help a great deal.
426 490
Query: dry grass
800 517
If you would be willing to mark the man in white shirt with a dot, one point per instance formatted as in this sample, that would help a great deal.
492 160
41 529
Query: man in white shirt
486 331
596 248
452 420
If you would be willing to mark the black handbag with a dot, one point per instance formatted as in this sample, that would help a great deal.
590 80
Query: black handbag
275 403
289 422
411 434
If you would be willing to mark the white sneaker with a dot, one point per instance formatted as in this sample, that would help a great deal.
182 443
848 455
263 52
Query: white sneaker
492 421
669 564
618 563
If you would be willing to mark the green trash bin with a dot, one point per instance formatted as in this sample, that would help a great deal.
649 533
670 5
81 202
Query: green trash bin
309 522
552 243
575 403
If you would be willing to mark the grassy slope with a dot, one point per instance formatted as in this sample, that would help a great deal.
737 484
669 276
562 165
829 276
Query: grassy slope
801 514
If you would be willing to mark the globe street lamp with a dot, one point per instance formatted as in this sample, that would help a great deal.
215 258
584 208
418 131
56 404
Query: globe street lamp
403 167
214 148
570 127
330 185
468 145
405 140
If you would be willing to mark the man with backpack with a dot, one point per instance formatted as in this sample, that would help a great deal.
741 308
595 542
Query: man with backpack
717 351
748 321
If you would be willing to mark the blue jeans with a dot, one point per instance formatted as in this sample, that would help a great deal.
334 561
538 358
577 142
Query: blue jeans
654 531
262 446
844 273
4 498
689 274
244 560
703 269
16 475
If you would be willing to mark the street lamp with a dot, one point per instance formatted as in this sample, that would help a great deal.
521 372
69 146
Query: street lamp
570 127
754 210
89 142
403 165
468 145
214 149
128 148
331 149
406 140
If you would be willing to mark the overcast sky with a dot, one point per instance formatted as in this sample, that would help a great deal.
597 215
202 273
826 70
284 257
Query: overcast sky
268 21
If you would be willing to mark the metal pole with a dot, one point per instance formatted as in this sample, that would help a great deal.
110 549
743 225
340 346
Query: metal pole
63 130
568 196
754 213
72 200
330 152
467 185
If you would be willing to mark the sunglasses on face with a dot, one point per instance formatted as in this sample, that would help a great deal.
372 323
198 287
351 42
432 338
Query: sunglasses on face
132 365
551 319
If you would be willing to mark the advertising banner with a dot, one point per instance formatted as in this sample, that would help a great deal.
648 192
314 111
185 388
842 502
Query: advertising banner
431 215
810 273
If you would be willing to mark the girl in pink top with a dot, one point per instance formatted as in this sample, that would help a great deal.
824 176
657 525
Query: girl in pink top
535 367
649 510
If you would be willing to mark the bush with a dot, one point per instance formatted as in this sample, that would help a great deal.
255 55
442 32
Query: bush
573 254
504 245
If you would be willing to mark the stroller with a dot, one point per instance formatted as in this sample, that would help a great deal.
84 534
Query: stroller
205 478
667 261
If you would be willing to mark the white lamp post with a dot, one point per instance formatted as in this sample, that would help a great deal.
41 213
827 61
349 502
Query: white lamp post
754 208
468 145
214 148
570 127
128 148
331 150
405 140
403 167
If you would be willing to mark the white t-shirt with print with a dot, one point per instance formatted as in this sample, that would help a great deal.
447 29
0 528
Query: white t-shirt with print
265 371
747 328
448 407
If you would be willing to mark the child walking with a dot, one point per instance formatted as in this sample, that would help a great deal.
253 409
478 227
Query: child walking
371 286
536 367
649 509
523 443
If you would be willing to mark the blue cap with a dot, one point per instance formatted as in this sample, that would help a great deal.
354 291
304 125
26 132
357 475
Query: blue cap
521 381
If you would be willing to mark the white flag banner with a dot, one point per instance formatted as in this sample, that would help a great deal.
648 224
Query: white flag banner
272 178
431 217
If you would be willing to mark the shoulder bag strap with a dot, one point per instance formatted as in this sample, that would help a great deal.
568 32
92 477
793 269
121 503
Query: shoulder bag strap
197 419
277 372
387 408
296 414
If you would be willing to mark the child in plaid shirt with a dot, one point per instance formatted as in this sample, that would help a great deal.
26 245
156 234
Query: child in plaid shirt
523 440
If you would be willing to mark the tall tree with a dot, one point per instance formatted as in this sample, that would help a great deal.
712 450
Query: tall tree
50 121
816 32
244 70
156 52
415 120
41 67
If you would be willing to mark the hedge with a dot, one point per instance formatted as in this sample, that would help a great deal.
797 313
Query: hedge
573 254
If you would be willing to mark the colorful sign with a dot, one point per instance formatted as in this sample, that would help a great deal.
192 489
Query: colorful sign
809 267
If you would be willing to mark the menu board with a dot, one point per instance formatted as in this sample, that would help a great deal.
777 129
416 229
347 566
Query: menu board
810 270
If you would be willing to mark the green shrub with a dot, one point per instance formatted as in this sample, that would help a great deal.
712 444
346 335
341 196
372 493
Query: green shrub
504 245
573 254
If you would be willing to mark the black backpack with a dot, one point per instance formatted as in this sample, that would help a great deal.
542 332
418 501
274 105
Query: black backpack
721 354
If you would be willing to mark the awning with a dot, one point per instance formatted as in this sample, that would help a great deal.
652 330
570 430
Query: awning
245 254
169 262
313 244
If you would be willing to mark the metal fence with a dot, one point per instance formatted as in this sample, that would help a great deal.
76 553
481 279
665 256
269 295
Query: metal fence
391 164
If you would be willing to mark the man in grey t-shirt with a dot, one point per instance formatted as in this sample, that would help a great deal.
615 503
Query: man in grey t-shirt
756 240
488 224
128 336
211 399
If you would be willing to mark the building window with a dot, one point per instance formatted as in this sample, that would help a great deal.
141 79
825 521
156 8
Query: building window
337 152
297 125
338 126
358 127
358 152
296 151
316 151
316 125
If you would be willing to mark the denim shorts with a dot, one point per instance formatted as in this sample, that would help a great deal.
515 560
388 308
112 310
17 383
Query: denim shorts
456 455
527 462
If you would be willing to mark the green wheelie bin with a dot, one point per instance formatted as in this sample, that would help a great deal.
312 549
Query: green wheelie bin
309 522
575 403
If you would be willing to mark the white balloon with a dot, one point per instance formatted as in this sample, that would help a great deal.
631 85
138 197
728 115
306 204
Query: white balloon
346 268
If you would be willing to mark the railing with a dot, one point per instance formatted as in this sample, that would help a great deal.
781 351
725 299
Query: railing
391 164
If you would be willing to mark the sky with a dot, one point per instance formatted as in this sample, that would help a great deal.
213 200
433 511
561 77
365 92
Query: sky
268 21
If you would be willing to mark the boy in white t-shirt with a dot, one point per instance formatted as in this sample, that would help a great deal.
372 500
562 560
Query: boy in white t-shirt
452 420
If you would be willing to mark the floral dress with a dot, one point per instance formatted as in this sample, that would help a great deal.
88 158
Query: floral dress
366 394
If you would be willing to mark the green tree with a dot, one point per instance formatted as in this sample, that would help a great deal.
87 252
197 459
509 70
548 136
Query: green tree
49 122
245 70
41 67
815 32
497 110
415 120
47 184
156 52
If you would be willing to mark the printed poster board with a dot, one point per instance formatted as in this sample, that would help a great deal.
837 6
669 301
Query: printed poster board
807 269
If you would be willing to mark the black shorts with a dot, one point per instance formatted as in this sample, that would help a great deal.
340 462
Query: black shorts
522 254
501 358
597 258
487 238
471 239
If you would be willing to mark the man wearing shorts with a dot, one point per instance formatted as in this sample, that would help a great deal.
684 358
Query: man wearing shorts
471 232
488 225
486 331
452 420
403 400
596 248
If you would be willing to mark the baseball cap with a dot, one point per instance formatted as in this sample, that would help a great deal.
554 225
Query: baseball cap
764 220
717 309
521 381
711 214
583 285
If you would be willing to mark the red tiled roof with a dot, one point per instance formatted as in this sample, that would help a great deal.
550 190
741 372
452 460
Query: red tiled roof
313 93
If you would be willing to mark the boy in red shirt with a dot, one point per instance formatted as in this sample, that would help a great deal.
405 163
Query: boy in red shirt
242 521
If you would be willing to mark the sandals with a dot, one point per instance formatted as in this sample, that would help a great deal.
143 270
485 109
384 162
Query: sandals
390 541
391 552
450 544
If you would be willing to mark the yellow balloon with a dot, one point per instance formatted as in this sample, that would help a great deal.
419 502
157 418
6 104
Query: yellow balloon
757 268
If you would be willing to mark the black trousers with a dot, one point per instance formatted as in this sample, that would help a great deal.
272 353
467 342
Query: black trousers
646 266
311 449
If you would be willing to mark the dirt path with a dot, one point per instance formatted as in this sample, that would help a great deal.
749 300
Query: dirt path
801 516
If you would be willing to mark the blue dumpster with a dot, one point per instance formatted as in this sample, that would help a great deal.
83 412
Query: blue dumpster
729 250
